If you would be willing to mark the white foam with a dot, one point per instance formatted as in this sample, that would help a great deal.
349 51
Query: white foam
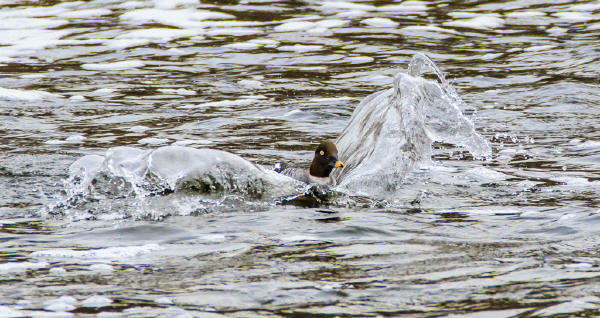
171 4
23 41
576 181
292 112
103 91
62 304
77 98
185 142
359 59
484 174
537 48
331 99
21 266
579 265
593 27
57 271
585 7
230 23
7 312
183 18
153 141
54 142
96 301
85 13
490 56
351 14
320 31
233 31
179 91
24 95
228 102
574 306
176 51
347 6
380 22
131 5
213 237
102 268
265 42
31 11
525 14
138 129
482 22
588 145
574 16
163 301
158 34
300 48
331 23
462 15
252 84
429 28
406 6
115 66
299 238
112 253
243 46
556 31
31 23
125 43
294 26
75 138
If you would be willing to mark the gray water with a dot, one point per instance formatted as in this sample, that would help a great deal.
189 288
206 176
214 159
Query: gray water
509 234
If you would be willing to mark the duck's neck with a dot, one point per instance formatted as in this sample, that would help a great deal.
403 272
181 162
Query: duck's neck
321 171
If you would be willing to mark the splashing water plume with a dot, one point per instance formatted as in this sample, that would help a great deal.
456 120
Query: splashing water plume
168 180
389 134
392 131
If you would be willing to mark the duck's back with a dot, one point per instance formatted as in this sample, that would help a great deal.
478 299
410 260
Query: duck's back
297 173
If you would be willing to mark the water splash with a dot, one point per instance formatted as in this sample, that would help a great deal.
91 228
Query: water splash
388 136
392 131
129 182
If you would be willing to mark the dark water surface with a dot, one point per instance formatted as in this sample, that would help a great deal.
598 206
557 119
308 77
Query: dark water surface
515 235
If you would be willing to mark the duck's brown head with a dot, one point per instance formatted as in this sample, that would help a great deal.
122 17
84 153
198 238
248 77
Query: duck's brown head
325 160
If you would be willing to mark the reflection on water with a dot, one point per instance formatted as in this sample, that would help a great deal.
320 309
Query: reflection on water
511 235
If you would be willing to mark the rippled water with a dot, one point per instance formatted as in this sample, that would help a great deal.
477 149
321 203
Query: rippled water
511 235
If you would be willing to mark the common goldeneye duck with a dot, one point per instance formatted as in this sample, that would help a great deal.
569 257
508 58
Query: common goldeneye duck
324 161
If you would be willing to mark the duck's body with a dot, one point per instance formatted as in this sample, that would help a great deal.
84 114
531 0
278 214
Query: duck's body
304 176
324 161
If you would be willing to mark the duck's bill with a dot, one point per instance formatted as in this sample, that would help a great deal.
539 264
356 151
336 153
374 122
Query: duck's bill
338 164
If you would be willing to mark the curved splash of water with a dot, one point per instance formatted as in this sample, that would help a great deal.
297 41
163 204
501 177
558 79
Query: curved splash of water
129 182
392 131
389 134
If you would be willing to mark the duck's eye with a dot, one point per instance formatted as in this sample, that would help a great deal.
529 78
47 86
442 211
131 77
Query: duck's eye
322 152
